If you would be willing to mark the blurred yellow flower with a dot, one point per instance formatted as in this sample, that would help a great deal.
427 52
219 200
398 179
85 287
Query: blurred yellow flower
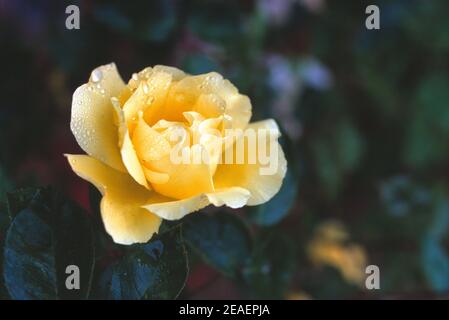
298 295
328 247
127 131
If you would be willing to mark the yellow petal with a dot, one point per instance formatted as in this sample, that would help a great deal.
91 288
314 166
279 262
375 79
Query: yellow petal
174 210
124 95
176 73
208 133
149 97
121 207
155 177
135 104
137 78
238 107
132 162
92 116
185 179
179 100
210 105
234 197
158 86
260 184
268 125
149 144
127 150
119 121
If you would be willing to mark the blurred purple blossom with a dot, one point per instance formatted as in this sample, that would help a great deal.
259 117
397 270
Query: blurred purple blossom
315 74
276 11
287 86
288 79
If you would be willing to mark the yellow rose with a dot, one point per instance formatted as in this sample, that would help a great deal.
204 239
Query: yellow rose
127 129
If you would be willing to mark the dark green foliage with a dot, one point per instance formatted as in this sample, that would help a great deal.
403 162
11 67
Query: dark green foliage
270 266
46 235
278 207
222 240
155 270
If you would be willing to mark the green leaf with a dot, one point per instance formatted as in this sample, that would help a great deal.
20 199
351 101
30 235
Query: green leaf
435 263
42 240
15 201
428 128
155 270
278 207
427 24
422 148
221 239
337 153
435 260
328 171
349 146
270 267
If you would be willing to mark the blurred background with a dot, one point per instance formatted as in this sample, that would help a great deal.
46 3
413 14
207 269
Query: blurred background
364 114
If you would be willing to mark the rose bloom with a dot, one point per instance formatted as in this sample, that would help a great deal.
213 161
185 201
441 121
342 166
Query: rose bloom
126 129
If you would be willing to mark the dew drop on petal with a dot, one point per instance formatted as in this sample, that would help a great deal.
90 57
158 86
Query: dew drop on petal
150 100
96 75
145 88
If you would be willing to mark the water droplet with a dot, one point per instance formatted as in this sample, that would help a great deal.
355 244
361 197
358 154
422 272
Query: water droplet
150 100
145 88
96 75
